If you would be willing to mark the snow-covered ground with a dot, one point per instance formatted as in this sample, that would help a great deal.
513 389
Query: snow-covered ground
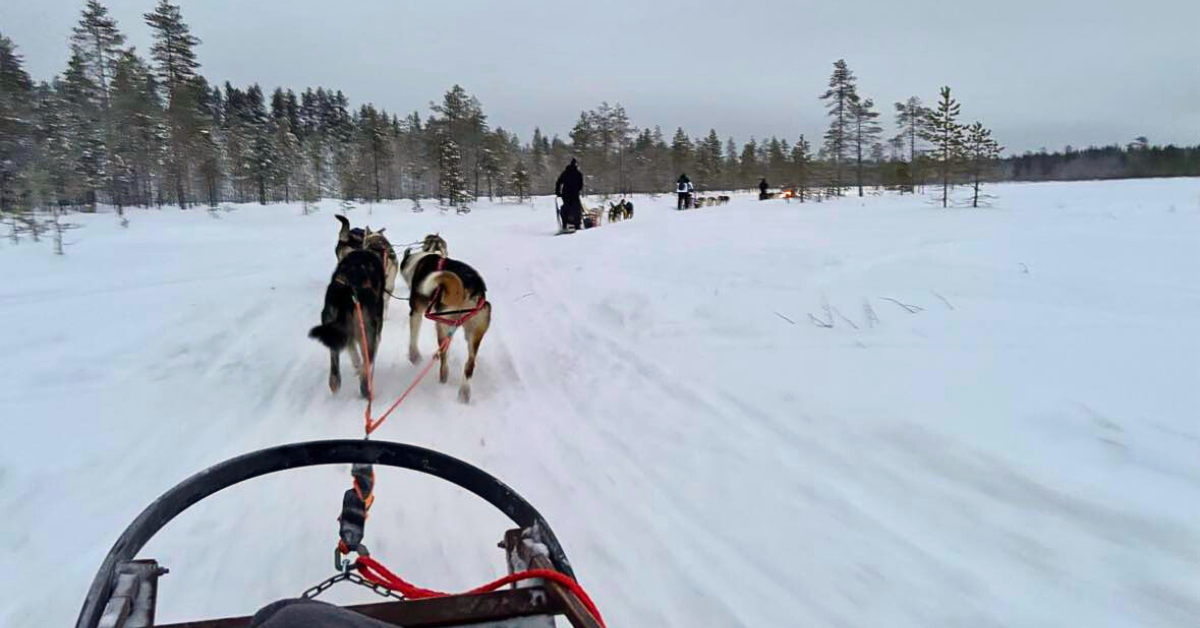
1022 450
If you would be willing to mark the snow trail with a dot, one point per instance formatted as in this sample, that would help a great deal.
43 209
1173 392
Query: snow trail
1020 451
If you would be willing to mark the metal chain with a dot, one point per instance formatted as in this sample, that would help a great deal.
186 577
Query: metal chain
379 589
313 592
325 585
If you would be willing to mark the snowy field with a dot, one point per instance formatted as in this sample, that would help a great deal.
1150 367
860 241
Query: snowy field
1021 449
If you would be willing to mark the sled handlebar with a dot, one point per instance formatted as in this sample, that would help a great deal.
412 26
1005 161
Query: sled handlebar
284 457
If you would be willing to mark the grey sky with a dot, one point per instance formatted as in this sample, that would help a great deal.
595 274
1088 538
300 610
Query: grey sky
1039 72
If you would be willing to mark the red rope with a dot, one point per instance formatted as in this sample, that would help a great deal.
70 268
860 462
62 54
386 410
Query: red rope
378 574
370 425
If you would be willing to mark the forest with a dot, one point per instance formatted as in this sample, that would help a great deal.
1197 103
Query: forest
123 129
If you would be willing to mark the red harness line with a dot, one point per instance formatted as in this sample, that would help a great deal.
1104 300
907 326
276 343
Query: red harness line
371 569
374 572
370 424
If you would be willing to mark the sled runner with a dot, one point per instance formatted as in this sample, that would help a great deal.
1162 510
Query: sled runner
540 585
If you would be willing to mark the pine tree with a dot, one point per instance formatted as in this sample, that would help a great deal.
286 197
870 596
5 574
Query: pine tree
136 153
16 128
681 151
748 165
290 159
463 119
452 186
839 98
258 153
946 134
981 153
708 161
96 43
174 53
731 164
84 132
520 182
864 131
802 162
776 160
910 119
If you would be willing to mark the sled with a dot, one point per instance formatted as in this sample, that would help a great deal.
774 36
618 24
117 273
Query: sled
124 591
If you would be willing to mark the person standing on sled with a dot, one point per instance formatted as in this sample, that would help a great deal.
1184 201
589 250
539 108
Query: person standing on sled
568 187
684 189
762 189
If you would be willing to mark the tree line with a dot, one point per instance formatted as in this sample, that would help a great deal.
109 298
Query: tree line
119 128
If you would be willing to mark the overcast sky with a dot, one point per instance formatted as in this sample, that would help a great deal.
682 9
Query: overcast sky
1039 72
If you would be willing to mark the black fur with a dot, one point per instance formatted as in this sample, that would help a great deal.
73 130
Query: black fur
355 238
360 273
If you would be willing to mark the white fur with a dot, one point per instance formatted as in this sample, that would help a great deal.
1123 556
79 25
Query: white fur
410 266
429 284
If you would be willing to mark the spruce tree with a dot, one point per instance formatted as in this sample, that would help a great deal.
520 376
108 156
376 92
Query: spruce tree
777 166
97 44
802 162
84 132
520 182
864 131
840 96
452 186
748 165
289 160
910 119
731 164
16 130
174 53
131 151
943 131
681 152
708 161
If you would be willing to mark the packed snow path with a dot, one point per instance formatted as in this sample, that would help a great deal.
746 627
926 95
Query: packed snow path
1022 450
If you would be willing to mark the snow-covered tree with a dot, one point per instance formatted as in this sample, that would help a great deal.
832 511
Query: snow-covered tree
520 182
175 57
16 128
452 186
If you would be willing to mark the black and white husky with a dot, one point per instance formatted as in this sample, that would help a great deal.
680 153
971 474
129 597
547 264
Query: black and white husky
364 239
360 275
459 289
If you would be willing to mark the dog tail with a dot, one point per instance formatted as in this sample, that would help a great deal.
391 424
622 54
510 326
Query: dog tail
452 294
330 335
344 233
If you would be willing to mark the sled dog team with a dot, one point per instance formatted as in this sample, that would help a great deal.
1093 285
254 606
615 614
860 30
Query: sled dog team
365 275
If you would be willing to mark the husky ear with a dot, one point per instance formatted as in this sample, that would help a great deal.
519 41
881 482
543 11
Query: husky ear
380 232
344 234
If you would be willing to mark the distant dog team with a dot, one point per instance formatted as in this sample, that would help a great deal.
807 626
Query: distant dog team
446 290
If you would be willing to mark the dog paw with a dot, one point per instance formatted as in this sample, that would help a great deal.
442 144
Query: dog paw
464 393
443 377
414 356
364 388
335 383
